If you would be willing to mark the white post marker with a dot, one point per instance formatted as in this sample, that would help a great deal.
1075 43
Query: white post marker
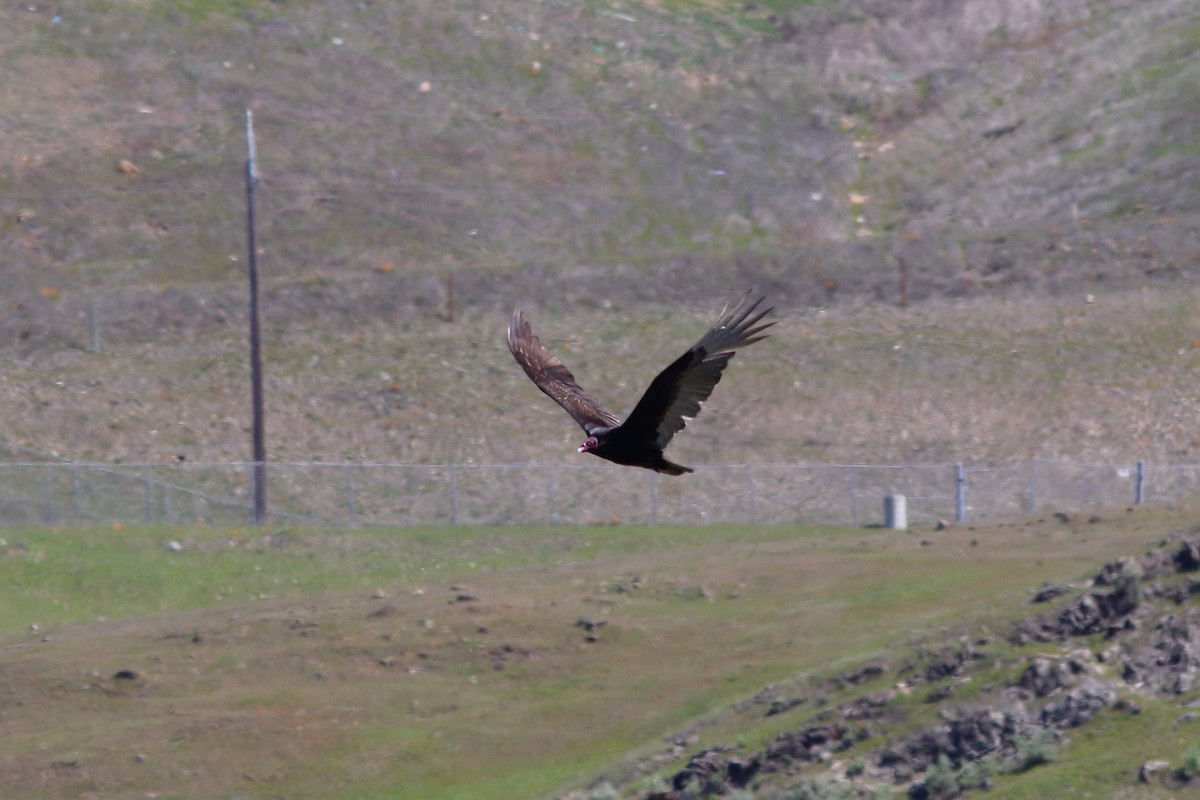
895 512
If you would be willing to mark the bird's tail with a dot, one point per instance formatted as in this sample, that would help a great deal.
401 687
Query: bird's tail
670 468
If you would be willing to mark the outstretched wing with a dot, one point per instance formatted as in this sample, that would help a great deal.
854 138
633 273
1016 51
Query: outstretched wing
555 379
675 395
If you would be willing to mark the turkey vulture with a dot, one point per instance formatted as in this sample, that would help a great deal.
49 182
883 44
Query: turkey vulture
673 398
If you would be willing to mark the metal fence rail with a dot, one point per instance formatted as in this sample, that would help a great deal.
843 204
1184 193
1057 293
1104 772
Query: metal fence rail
356 494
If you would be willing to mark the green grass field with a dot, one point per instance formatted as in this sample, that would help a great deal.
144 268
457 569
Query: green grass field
454 663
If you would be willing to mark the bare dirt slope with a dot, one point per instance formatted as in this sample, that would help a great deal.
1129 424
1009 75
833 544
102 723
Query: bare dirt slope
610 164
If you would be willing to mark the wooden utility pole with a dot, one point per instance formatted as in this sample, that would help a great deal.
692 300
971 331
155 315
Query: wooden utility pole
259 435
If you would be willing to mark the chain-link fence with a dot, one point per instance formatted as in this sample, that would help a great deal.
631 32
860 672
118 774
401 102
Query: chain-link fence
357 494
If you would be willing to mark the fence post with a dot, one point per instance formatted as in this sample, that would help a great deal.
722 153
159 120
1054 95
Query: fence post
48 496
960 493
1032 491
73 512
853 476
94 320
654 498
179 502
750 493
149 495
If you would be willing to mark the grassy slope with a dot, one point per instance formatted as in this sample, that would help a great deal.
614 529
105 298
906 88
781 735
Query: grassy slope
306 664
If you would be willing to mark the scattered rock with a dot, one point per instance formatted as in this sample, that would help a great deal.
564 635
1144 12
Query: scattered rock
951 662
1114 572
783 706
1128 706
711 772
1168 664
1002 130
808 745
696 593
862 675
965 735
1093 613
1045 676
869 706
1147 772
1187 558
592 628
500 656
1077 707
1050 591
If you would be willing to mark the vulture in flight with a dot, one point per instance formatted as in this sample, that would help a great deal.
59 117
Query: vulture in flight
673 398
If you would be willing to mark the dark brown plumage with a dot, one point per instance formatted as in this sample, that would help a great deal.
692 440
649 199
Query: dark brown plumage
672 399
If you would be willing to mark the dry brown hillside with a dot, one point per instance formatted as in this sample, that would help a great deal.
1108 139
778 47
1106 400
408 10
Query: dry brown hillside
1023 174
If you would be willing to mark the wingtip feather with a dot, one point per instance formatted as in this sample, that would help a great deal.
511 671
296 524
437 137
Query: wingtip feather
517 327
741 324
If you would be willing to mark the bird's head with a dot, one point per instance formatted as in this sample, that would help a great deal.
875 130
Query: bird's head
588 446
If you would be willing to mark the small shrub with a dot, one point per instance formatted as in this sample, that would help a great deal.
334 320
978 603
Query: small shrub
856 767
801 792
602 791
817 791
1034 750
1190 770
691 788
656 784
941 780
978 774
